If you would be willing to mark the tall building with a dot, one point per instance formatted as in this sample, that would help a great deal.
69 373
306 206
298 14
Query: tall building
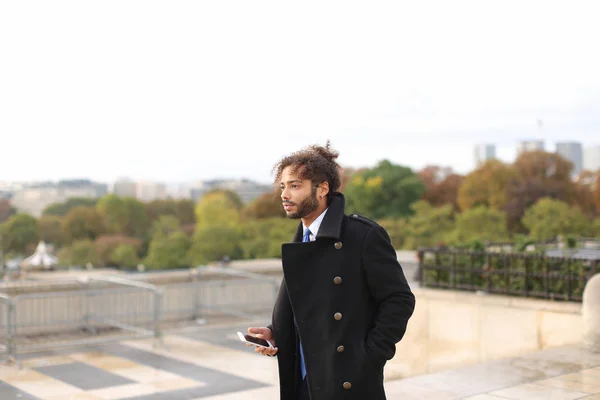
483 153
124 187
530 145
591 158
573 152
149 191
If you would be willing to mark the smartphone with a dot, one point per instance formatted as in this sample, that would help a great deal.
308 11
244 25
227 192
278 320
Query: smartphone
255 341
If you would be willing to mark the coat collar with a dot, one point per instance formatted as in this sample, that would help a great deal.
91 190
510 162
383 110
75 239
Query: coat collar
331 227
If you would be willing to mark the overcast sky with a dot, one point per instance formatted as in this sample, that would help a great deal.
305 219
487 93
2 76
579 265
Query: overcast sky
190 90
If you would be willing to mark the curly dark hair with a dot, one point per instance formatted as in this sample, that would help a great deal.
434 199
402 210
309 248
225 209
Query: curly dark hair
316 163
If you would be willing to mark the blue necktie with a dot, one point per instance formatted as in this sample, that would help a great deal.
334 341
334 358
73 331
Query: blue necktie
306 238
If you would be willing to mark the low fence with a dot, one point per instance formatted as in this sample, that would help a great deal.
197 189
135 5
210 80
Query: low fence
558 278
104 309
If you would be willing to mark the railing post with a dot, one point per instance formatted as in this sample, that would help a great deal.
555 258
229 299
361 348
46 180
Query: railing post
197 306
9 337
158 302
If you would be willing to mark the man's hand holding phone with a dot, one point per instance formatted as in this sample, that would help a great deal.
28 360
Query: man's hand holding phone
265 343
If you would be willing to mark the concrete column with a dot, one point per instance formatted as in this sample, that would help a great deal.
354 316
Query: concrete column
591 314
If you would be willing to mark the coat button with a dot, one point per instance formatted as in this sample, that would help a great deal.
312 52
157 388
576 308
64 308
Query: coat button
337 280
337 316
340 349
338 245
347 385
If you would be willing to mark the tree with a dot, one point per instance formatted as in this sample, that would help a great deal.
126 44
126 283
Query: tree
596 191
125 256
217 209
385 191
486 186
6 210
429 225
51 229
214 242
61 209
480 224
584 192
21 234
183 209
165 225
540 175
169 251
263 238
83 223
124 215
83 252
549 218
107 244
396 229
267 205
441 185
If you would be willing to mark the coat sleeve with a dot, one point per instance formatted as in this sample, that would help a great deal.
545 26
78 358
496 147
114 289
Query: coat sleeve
389 288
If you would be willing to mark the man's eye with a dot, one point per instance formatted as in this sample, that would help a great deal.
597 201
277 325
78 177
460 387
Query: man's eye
294 186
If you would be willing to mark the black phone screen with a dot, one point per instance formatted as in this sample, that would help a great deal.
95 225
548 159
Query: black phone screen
256 340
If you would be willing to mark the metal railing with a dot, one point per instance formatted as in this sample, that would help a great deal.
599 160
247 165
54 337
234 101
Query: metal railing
103 309
215 291
556 278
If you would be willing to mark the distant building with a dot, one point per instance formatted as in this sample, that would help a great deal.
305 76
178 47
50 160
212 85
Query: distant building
35 198
591 158
573 152
483 153
530 145
124 187
149 191
246 189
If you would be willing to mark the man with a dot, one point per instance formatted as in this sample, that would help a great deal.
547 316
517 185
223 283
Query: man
344 302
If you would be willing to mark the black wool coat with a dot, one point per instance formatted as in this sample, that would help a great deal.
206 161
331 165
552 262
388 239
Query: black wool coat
346 298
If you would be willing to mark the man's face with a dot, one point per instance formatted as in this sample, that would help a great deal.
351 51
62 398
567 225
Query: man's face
299 196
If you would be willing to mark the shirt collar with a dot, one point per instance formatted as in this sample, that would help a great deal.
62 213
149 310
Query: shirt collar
314 227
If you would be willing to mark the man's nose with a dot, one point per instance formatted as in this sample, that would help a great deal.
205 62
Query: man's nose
285 195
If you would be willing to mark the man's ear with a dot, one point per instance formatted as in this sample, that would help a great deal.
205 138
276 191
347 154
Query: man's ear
323 189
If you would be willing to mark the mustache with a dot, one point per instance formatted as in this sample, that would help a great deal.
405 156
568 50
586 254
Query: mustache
288 203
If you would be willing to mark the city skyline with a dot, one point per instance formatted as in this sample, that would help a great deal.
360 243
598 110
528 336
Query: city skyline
198 91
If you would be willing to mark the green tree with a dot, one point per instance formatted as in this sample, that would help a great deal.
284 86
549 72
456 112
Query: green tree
51 229
165 225
429 225
125 256
182 209
61 209
217 209
396 229
124 215
385 191
549 218
21 234
83 252
83 223
262 238
214 242
168 251
480 224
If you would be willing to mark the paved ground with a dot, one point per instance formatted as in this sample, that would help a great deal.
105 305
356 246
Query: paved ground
209 363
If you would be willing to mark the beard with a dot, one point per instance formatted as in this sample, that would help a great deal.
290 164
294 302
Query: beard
306 206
